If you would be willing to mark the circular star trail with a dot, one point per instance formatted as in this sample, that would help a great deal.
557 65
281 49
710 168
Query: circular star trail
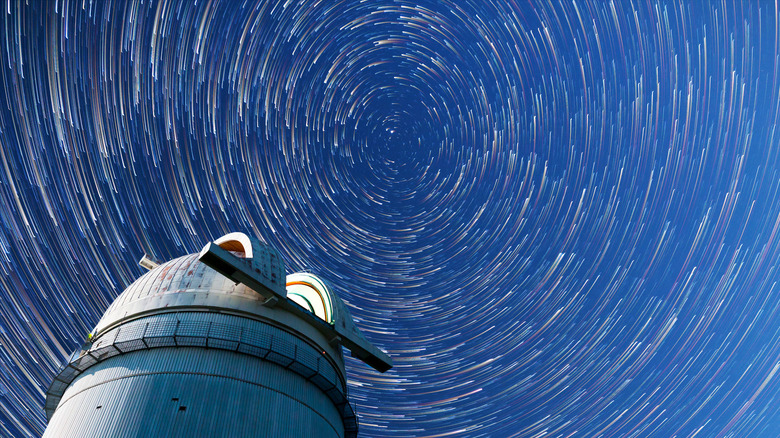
560 219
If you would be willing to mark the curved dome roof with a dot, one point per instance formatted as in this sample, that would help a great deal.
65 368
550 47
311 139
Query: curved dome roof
184 281
215 280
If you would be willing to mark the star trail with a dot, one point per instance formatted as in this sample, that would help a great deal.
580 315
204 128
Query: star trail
559 219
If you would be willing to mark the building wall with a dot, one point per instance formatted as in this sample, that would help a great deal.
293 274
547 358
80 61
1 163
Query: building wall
190 392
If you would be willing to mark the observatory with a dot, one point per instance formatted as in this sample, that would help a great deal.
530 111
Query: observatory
216 344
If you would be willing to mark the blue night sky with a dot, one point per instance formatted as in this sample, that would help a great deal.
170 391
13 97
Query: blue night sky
558 218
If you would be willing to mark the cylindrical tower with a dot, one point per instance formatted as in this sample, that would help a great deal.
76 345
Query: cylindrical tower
216 344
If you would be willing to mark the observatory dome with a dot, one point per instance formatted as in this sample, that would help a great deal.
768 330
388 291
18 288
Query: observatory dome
225 330
179 283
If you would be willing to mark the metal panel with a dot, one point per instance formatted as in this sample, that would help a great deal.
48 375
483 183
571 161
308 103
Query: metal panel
130 337
191 333
224 336
84 362
142 393
161 331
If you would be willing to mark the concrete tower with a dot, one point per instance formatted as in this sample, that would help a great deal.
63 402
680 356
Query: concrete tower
216 344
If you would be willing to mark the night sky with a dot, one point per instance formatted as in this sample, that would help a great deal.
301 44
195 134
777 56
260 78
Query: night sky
558 219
